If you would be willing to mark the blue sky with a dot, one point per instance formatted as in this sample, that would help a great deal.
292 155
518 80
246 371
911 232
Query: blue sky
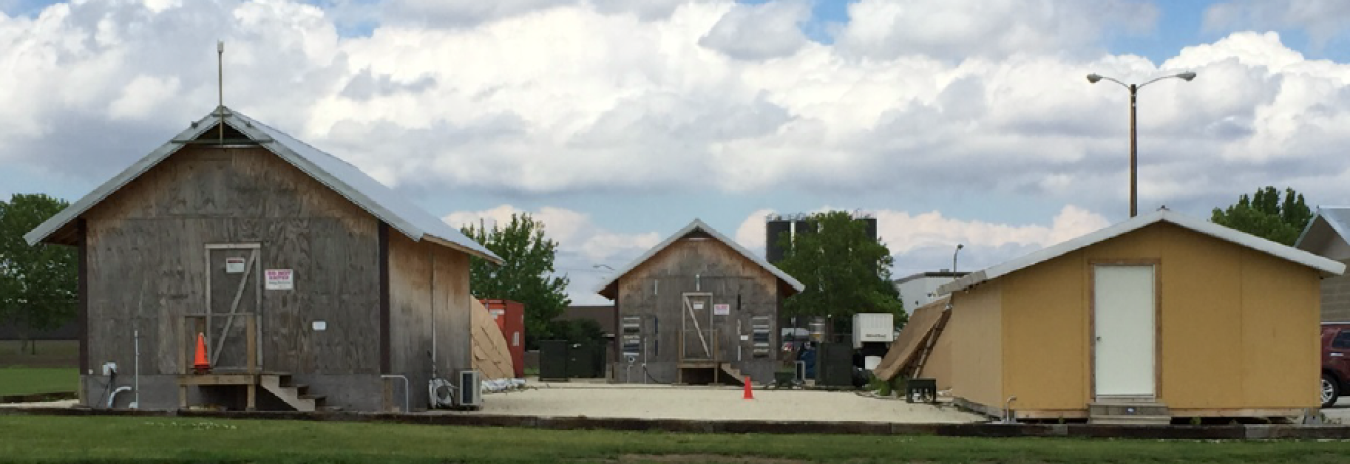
953 121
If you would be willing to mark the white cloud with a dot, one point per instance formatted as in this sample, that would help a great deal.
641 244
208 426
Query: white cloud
594 96
750 234
766 30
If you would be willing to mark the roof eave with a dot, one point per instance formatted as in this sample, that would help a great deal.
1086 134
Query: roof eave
492 258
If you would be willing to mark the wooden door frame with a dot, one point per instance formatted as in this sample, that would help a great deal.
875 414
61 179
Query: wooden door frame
1156 263
255 249
686 309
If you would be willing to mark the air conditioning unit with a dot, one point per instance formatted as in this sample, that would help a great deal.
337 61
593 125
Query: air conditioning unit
470 389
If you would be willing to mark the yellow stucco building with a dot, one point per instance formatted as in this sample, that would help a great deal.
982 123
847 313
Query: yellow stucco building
1160 316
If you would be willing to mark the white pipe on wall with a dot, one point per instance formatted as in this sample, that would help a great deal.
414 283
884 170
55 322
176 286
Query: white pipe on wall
405 389
433 314
113 396
136 371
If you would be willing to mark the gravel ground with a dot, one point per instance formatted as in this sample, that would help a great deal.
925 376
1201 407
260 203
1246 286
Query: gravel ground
711 403
1339 412
45 404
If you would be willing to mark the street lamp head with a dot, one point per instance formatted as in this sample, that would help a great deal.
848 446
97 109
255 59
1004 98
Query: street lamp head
1093 78
960 246
1187 75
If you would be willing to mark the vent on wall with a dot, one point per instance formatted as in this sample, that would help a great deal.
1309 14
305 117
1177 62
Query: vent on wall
632 337
761 327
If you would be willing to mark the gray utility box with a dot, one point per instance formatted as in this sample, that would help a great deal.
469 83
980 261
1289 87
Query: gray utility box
873 328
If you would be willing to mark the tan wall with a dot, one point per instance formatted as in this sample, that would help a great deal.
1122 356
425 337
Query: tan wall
975 331
1237 326
1043 367
938 366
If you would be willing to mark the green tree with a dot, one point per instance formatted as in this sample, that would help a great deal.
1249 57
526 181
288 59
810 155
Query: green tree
1265 215
37 283
527 275
844 271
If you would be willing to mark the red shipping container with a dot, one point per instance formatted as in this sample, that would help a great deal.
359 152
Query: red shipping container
510 317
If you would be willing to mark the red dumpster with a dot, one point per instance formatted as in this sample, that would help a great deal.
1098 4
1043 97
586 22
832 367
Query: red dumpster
510 317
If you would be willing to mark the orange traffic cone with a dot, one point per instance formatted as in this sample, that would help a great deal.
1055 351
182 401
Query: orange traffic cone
749 395
200 364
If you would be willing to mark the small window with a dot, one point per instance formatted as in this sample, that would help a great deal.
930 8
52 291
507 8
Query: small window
1342 340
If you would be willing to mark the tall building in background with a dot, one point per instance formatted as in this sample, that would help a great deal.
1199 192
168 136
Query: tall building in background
777 224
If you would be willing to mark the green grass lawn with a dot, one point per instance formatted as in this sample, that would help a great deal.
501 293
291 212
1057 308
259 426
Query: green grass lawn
31 380
50 353
131 439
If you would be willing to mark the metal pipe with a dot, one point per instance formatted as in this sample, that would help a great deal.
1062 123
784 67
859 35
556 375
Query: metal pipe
1008 416
220 86
113 396
433 313
136 372
405 388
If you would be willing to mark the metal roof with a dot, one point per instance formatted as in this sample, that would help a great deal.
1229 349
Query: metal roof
1335 218
700 225
344 178
1326 266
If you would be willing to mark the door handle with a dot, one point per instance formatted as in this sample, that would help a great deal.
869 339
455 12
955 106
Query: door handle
1099 339
1337 355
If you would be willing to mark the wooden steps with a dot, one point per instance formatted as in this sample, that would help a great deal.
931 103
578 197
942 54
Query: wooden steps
296 395
736 376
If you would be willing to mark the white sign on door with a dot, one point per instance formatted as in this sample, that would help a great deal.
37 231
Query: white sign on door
721 309
698 305
280 279
234 265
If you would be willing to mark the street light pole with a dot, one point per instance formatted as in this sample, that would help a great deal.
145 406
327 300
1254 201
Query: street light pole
1134 137
1134 155
958 250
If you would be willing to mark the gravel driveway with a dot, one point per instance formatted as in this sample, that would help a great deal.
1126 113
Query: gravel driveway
570 399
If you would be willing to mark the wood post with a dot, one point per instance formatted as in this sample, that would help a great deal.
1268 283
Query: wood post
251 348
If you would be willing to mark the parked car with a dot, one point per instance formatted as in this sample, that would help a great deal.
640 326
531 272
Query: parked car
1335 361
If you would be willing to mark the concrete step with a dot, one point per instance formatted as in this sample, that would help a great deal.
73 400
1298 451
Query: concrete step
1130 420
1116 408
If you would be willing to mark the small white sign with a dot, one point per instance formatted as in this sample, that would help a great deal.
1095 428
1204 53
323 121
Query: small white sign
698 305
319 326
280 279
721 309
745 338
234 265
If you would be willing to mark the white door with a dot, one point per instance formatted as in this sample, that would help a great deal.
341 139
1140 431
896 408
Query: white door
1124 303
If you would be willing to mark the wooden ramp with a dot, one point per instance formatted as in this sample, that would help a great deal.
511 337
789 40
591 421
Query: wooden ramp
916 340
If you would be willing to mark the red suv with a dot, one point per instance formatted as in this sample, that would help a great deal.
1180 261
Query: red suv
1335 361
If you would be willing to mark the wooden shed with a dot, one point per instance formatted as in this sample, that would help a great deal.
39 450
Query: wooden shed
1157 317
698 308
1328 235
306 279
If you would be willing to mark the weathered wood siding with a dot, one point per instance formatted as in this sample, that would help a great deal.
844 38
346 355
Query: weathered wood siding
698 264
416 306
146 260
